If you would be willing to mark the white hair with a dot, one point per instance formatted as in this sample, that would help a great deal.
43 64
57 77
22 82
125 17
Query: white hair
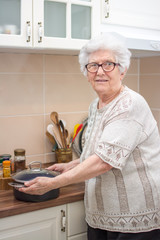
106 42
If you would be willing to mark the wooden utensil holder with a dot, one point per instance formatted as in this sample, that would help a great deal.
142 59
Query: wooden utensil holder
4 183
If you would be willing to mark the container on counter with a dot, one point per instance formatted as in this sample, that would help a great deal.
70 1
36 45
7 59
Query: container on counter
19 160
63 155
1 167
6 168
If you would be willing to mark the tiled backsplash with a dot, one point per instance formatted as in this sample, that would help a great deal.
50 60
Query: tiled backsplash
34 85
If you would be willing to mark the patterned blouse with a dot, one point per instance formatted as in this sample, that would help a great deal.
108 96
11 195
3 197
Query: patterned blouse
123 134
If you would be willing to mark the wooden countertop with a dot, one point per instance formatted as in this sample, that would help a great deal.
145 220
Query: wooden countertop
9 206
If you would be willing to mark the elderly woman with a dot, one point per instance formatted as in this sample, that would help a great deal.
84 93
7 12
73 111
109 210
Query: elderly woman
121 158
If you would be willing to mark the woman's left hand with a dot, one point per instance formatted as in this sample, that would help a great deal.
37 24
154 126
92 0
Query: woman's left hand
37 186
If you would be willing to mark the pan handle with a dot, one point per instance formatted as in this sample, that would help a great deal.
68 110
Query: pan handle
35 163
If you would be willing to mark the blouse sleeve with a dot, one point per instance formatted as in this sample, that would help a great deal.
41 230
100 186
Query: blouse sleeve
118 140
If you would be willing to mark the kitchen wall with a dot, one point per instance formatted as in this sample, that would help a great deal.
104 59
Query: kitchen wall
34 85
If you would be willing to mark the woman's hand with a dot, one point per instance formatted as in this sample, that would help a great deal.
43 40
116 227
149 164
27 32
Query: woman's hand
64 167
37 186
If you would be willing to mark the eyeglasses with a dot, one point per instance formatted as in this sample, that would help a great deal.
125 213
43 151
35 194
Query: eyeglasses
106 66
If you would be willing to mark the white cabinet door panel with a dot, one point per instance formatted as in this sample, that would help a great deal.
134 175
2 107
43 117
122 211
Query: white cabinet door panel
76 218
133 13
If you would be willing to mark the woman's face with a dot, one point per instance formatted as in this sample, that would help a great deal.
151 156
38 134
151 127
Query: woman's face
105 83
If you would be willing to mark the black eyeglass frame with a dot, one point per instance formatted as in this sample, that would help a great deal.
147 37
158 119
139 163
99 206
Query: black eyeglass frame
101 65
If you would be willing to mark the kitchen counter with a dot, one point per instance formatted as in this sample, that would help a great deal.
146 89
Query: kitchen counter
9 206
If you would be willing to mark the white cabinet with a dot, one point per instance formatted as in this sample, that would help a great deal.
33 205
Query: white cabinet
133 13
42 225
15 23
65 222
48 24
132 19
76 227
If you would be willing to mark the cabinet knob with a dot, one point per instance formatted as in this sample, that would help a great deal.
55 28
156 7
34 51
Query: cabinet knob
28 31
40 32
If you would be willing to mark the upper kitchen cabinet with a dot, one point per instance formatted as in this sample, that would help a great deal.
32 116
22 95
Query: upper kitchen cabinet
134 13
134 18
64 24
15 23
48 24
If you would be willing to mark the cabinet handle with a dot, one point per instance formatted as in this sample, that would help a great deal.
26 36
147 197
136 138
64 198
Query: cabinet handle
39 32
63 221
28 32
106 9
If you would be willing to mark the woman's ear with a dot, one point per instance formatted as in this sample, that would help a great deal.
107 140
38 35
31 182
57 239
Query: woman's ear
123 74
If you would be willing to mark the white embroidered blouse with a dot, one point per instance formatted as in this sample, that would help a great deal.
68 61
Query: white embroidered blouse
124 134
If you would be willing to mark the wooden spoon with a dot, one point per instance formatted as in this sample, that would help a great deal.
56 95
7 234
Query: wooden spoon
54 118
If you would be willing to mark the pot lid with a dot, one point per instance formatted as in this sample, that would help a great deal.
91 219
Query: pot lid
33 172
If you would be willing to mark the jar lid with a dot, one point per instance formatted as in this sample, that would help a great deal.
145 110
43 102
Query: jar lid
19 152
6 163
5 156
1 160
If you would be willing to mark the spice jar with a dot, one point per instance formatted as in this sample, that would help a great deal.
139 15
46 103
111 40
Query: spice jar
19 160
1 167
6 168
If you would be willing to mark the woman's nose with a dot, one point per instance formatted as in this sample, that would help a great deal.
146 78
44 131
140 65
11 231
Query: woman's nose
100 70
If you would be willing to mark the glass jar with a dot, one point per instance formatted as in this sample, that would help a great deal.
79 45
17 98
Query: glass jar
6 168
63 155
1 167
19 160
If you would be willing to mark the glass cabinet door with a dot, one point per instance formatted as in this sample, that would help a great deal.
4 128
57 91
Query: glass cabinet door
80 22
54 19
10 17
62 24
15 23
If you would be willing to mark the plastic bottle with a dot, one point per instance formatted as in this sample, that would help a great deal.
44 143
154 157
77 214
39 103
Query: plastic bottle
6 168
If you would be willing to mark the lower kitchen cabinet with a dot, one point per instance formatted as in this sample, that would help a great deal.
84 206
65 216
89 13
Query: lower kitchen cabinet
64 222
76 227
37 225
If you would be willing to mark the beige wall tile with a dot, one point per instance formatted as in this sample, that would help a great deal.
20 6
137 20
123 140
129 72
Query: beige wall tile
22 132
150 89
21 94
23 63
131 81
61 64
133 69
150 65
156 114
67 93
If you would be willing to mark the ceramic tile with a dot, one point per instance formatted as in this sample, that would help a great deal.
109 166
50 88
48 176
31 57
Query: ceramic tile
67 93
61 64
131 81
150 65
21 63
22 132
21 94
156 114
133 69
149 88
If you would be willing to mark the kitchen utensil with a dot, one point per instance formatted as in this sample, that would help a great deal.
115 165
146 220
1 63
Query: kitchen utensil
54 118
63 133
51 138
52 129
29 174
77 131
